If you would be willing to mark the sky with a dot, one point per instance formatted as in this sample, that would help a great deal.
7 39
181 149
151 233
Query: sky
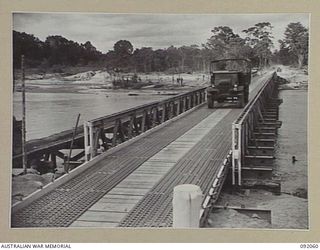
146 30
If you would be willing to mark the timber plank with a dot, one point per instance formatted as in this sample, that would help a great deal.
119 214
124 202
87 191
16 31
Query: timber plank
144 176
112 207
102 216
128 191
141 184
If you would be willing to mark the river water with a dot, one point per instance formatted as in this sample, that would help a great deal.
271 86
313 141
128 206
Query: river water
49 113
292 140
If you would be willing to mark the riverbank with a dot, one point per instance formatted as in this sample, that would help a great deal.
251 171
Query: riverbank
289 210
94 81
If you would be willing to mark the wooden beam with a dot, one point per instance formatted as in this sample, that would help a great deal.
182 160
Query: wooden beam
121 131
54 159
115 133
170 110
178 107
163 118
184 103
143 121
78 156
154 116
130 129
59 154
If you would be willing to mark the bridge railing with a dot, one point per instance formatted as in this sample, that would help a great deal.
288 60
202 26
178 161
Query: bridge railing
111 130
243 126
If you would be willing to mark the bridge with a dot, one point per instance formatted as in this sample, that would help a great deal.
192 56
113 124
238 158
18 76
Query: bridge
134 159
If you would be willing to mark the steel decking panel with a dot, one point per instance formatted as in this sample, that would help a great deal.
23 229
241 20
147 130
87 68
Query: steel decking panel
62 206
200 166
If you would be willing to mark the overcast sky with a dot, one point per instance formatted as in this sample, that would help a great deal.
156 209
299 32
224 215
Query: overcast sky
145 30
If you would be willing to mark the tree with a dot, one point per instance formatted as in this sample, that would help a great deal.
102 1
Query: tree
173 57
206 55
142 59
296 41
89 53
28 45
62 51
123 47
189 57
259 37
226 44
159 60
219 42
123 50
284 57
56 50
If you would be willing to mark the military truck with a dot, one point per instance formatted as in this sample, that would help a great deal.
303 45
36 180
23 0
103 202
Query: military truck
230 79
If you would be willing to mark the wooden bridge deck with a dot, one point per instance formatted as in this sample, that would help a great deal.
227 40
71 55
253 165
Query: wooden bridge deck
115 205
132 187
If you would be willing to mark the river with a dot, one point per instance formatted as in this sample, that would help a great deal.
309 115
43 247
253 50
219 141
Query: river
292 140
49 113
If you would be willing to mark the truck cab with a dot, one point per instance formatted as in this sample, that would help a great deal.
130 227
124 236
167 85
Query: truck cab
230 79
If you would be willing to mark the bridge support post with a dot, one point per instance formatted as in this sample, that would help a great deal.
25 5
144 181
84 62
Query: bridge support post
186 206
254 134
88 140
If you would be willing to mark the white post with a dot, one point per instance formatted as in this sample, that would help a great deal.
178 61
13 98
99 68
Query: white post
235 145
91 140
186 206
86 141
241 151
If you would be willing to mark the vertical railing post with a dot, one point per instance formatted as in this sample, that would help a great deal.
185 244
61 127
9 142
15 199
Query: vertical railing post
241 153
246 136
237 138
234 152
85 135
91 141
130 128
87 149
163 118
178 106
171 110
154 116
115 133
67 166
143 121
184 103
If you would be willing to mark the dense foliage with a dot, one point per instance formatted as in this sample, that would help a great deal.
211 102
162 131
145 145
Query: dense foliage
257 46
55 50
296 43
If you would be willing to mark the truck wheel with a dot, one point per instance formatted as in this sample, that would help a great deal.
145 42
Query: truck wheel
210 102
241 101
